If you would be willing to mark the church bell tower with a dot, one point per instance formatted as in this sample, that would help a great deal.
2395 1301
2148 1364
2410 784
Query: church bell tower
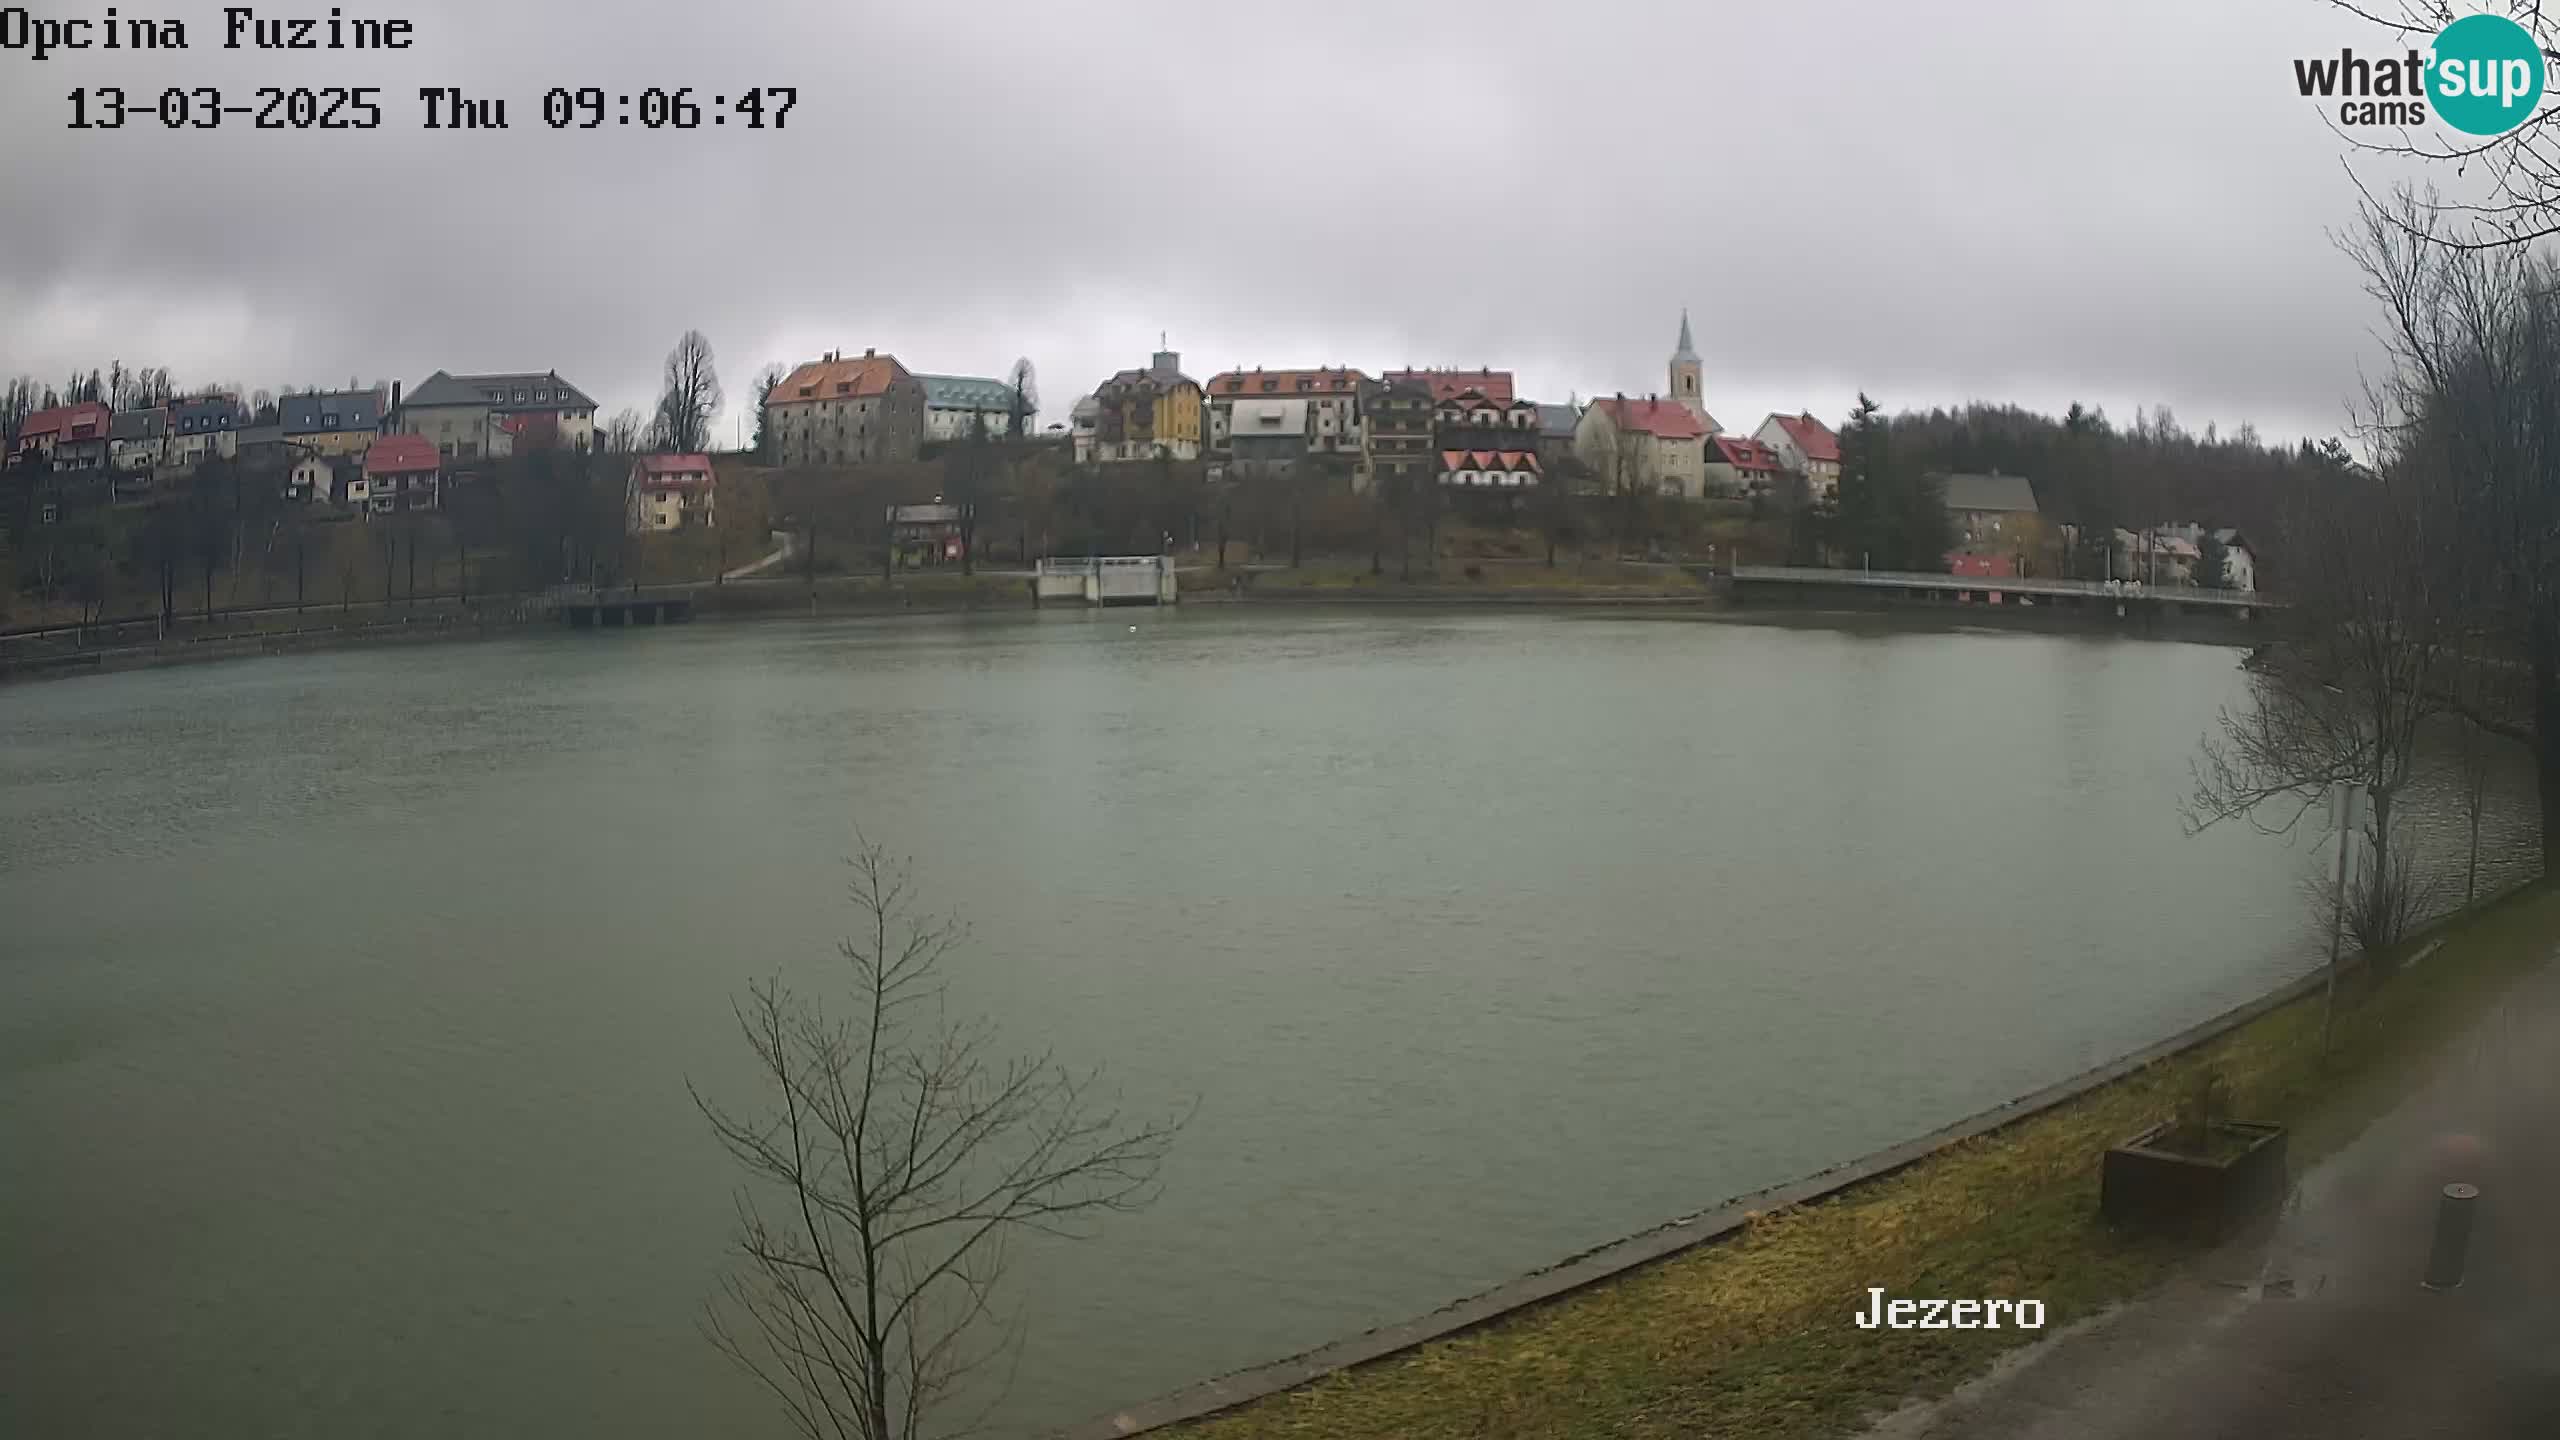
1687 373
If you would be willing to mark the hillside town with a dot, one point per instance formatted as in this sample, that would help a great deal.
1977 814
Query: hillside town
1672 480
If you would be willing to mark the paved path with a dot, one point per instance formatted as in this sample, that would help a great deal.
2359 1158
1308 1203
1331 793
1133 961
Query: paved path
2319 1328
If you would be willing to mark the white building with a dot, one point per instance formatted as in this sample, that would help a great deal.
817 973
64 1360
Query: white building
957 406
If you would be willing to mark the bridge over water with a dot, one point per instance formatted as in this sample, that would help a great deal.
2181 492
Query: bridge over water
2092 597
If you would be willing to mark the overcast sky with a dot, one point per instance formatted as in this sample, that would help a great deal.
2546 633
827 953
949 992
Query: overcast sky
2029 200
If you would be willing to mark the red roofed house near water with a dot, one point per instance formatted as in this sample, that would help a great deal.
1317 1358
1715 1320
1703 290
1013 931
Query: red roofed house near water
1650 444
1740 465
400 473
1806 446
668 492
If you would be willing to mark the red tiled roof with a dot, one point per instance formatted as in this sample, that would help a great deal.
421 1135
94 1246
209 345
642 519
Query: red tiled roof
1662 419
1811 436
400 455
841 378
672 472
65 421
1489 460
1346 381
1744 453
1496 384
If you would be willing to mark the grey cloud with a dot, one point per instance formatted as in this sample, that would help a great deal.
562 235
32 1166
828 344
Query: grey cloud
2019 200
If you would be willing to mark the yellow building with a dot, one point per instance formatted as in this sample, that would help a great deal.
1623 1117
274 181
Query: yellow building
333 422
1143 414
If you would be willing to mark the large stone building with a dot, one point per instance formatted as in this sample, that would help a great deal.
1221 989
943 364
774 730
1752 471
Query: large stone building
470 417
1144 414
846 410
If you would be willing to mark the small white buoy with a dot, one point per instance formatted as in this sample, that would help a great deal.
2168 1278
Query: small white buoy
1133 629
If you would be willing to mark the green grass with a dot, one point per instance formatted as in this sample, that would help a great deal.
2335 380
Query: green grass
1752 1336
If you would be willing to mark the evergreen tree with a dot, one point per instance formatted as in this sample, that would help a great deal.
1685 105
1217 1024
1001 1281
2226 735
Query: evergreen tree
1863 524
2211 562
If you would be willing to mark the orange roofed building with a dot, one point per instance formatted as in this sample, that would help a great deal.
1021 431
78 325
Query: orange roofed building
844 410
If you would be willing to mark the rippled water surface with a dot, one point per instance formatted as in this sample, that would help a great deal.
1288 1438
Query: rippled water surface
347 1001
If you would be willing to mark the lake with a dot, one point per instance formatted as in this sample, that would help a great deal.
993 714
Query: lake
348 1001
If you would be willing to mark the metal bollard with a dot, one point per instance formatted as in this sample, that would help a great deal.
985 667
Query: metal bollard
2453 1236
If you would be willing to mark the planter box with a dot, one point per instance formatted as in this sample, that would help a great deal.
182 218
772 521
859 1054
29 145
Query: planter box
2149 1188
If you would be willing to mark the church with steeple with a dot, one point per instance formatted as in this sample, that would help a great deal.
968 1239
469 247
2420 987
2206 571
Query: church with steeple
1688 377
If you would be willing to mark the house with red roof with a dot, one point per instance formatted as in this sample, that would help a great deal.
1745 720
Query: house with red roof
401 472
1651 445
1740 465
846 410
72 437
667 492
1489 469
1806 446
1494 385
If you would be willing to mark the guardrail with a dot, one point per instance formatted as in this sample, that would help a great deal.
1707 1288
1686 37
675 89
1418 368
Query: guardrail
2006 584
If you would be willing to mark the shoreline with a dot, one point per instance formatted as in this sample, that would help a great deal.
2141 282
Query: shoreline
840 597
1241 1402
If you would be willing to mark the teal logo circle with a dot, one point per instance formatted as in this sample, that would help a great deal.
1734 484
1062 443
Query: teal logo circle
2484 76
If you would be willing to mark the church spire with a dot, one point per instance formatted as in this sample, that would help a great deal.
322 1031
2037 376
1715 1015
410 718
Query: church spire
1687 350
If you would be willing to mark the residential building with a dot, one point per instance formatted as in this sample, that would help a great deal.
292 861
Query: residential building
1142 414
469 417
2157 556
2239 561
138 440
668 492
1556 427
1738 465
315 479
1495 384
924 537
1083 425
1266 434
1493 469
1471 418
1650 445
205 427
334 422
844 410
1396 417
401 472
1806 446
1994 514
263 445
959 406
1332 409
68 437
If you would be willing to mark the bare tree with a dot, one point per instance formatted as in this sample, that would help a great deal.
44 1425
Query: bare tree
2516 175
691 397
2475 340
1023 385
626 432
893 1160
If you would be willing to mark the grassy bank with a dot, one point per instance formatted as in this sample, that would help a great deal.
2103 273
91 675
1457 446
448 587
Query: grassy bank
1752 1335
